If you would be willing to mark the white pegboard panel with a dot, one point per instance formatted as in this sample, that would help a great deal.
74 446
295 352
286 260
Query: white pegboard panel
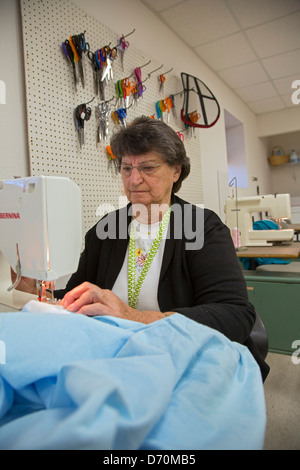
51 99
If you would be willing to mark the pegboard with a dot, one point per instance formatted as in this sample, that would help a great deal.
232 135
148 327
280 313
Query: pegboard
51 98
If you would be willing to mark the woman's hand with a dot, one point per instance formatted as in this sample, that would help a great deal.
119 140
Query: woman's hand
91 300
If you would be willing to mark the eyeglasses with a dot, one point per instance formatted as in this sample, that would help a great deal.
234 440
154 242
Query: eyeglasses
144 168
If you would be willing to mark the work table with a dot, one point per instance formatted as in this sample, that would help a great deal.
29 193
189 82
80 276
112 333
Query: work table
291 250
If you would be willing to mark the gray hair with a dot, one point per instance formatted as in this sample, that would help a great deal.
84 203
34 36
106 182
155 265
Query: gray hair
145 135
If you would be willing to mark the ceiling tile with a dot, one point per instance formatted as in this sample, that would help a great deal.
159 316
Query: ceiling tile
276 37
266 106
284 85
283 65
244 75
260 91
200 21
255 12
159 5
226 52
253 45
288 100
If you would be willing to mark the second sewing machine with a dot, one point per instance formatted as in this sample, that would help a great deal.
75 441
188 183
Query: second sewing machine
240 213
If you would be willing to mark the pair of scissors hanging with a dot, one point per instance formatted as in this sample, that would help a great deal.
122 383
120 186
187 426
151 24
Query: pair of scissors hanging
138 73
109 151
71 54
191 120
80 44
83 111
122 46
124 88
74 49
165 105
181 135
162 79
104 53
181 131
119 116
160 108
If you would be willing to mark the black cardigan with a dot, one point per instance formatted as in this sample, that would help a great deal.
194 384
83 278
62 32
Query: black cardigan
206 285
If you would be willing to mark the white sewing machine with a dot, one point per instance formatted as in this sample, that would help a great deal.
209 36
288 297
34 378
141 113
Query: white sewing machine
239 214
40 229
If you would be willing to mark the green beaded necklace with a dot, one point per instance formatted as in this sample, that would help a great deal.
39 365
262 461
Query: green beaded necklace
133 286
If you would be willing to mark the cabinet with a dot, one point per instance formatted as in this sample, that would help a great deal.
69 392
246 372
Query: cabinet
276 298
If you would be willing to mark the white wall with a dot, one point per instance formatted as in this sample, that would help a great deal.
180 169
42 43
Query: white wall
235 143
283 129
157 41
286 178
13 134
279 122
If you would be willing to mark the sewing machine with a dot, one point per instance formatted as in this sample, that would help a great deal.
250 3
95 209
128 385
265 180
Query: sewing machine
239 214
40 229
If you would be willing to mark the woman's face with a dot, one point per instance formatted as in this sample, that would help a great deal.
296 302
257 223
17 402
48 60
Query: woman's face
154 187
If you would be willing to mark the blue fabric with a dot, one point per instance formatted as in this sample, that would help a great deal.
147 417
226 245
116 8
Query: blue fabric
263 225
74 382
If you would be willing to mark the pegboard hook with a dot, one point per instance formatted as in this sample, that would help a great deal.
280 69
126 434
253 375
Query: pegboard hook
141 66
150 73
90 101
165 73
129 34
179 93
126 44
158 68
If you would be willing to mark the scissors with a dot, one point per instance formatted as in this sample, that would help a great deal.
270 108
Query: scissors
69 53
113 53
109 55
141 89
79 46
107 70
194 116
129 87
122 46
122 113
82 44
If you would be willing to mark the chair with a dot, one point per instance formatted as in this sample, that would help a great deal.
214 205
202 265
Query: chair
260 337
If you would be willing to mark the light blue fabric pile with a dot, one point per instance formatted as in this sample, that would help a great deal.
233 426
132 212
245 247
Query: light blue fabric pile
74 382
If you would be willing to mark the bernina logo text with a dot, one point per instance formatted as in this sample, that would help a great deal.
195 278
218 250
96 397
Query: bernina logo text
9 215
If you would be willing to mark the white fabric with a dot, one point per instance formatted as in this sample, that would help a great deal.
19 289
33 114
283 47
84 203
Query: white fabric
44 307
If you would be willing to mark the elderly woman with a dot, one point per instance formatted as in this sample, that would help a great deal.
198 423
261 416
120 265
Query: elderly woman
160 254
152 269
